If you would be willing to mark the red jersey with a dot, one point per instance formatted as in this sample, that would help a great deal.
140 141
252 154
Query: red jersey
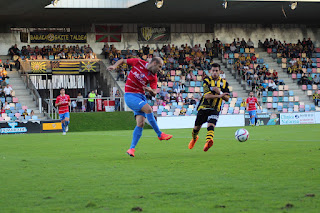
64 100
139 77
252 103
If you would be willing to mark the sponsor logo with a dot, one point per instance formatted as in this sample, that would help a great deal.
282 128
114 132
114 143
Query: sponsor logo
13 129
138 76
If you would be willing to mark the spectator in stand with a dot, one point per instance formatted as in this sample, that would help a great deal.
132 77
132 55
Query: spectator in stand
316 98
250 43
304 80
233 48
179 98
183 111
243 103
14 50
91 100
8 65
192 101
310 79
316 80
79 102
272 86
163 93
117 100
25 113
6 106
8 91
181 87
32 113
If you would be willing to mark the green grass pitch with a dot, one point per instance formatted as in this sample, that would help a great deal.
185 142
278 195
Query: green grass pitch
276 170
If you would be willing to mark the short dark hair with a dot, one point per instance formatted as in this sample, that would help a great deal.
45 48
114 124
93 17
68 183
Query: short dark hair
216 65
158 60
62 88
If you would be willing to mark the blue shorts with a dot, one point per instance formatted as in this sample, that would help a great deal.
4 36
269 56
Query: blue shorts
253 113
135 101
64 115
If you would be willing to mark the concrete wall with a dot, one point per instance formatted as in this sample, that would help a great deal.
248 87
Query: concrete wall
226 33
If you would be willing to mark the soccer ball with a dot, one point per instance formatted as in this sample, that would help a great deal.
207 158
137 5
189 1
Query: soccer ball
242 135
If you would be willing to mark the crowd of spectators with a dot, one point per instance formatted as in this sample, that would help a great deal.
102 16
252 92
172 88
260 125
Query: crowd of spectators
52 52
236 46
290 50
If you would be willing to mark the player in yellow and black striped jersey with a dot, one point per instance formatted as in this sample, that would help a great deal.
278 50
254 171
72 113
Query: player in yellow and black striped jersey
215 90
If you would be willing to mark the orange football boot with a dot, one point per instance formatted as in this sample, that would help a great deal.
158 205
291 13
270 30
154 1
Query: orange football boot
193 142
131 152
208 144
164 137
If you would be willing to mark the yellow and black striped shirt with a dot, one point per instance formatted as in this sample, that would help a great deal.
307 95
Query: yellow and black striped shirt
208 84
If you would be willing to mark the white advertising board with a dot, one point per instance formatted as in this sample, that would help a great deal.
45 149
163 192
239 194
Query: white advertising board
297 118
317 117
182 122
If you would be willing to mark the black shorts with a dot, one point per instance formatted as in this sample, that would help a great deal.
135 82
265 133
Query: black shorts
207 115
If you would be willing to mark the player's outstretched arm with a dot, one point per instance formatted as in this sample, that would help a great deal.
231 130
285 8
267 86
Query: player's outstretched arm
118 63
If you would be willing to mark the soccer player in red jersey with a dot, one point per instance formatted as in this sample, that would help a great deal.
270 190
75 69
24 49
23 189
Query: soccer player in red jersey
251 107
141 75
63 102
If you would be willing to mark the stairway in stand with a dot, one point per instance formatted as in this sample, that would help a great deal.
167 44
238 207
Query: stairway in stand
293 86
23 94
236 86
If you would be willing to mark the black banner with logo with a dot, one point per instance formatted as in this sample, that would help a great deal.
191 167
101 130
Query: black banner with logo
20 127
154 34
264 119
57 37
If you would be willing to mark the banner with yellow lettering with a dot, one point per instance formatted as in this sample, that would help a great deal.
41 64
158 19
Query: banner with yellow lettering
57 37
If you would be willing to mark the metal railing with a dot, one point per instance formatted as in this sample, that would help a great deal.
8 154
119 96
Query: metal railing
53 111
32 90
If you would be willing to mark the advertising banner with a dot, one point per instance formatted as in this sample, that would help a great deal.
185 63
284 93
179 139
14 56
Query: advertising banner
57 37
317 117
297 118
182 122
154 34
264 119
20 127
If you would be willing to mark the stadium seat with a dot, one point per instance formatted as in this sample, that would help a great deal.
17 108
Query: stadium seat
286 87
285 99
280 93
294 76
285 110
309 93
275 93
269 105
291 93
296 98
274 105
304 87
269 100
163 114
24 107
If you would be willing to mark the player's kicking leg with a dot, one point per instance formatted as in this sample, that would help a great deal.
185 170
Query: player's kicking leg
152 121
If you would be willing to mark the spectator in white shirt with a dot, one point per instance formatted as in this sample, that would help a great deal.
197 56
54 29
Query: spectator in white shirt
272 86
250 43
7 91
232 48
